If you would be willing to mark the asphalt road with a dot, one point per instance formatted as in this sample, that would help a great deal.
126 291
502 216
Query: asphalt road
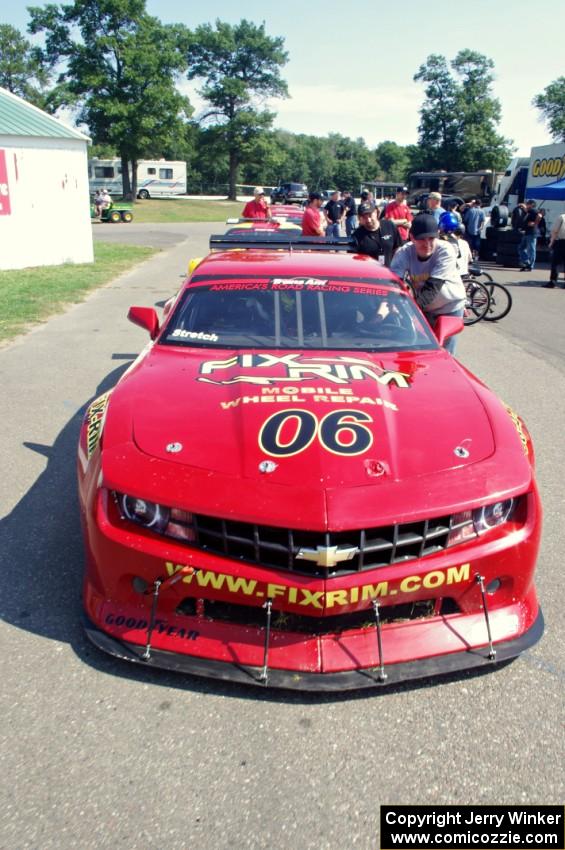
97 754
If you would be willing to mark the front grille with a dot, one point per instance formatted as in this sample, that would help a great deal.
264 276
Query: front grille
278 547
282 621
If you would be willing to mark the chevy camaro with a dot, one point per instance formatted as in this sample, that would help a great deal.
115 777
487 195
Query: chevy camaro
295 485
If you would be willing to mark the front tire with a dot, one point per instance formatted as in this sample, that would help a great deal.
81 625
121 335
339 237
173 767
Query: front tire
143 194
477 302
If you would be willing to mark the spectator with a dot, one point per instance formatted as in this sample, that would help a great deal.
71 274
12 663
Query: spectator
432 268
97 202
258 207
103 201
518 216
312 223
473 220
334 215
557 248
434 206
366 198
350 213
400 213
378 239
527 247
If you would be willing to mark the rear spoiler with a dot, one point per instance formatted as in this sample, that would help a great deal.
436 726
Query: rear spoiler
289 239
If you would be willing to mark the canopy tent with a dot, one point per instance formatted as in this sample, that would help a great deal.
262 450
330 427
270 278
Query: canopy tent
549 192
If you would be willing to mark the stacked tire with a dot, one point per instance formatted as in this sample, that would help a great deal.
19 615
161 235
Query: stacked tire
507 242
489 244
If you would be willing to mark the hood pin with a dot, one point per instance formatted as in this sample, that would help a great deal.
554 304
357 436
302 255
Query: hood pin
173 448
267 466
460 451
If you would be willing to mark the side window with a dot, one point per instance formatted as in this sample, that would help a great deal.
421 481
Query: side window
152 171
165 173
104 171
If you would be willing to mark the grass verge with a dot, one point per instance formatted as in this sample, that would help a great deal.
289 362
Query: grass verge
164 210
28 296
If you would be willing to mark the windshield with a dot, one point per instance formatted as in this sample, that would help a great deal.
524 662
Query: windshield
297 313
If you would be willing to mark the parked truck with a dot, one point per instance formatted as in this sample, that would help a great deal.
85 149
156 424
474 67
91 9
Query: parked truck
540 177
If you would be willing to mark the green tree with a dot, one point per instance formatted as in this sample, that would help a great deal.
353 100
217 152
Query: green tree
240 66
21 69
552 106
392 161
459 117
120 67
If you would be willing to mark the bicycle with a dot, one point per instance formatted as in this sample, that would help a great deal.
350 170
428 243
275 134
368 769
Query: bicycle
500 297
477 301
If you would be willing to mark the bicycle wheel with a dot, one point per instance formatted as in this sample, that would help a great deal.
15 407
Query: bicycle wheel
500 302
476 303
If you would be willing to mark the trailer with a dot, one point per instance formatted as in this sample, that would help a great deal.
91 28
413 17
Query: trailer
539 177
156 178
464 184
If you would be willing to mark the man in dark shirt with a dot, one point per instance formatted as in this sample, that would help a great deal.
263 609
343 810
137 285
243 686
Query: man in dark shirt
527 246
377 238
350 207
334 214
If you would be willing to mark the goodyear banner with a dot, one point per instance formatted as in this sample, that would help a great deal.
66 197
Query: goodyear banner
5 208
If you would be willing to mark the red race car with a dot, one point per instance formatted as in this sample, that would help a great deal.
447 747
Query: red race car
295 485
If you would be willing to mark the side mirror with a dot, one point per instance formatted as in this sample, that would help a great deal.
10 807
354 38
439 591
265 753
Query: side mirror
447 326
145 317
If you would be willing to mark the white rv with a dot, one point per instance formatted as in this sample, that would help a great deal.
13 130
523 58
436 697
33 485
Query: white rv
156 178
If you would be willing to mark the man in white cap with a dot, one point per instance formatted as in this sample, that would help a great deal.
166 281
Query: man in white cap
258 207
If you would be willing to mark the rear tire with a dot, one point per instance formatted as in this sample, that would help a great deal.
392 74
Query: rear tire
143 194
500 301
127 216
114 216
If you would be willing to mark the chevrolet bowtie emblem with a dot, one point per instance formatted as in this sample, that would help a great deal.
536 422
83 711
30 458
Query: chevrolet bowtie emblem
328 556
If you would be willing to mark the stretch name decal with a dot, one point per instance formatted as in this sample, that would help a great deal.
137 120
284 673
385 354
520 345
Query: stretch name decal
319 599
299 367
179 333
94 422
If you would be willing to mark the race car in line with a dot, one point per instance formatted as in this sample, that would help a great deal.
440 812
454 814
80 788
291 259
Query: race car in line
295 485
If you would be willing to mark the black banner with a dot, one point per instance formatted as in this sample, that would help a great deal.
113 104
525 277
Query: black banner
472 827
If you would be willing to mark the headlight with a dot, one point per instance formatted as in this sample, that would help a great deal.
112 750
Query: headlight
492 515
469 524
147 514
172 522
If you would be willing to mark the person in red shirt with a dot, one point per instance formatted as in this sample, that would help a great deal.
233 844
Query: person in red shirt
312 219
258 207
400 213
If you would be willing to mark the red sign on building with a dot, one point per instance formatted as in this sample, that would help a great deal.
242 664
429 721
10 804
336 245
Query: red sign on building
5 208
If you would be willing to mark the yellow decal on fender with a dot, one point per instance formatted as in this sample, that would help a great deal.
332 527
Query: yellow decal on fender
319 599
519 425
94 422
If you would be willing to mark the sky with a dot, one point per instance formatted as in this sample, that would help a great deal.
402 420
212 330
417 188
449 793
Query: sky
351 65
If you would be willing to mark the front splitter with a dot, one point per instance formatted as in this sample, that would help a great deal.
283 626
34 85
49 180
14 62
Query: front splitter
346 680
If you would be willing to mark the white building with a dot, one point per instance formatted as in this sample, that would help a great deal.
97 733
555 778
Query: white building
44 196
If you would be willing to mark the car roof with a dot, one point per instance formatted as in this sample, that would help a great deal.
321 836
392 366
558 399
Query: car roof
294 263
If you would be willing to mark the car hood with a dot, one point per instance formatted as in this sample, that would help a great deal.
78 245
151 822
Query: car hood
285 415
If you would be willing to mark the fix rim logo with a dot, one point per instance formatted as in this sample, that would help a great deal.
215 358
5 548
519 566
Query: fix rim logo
299 367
